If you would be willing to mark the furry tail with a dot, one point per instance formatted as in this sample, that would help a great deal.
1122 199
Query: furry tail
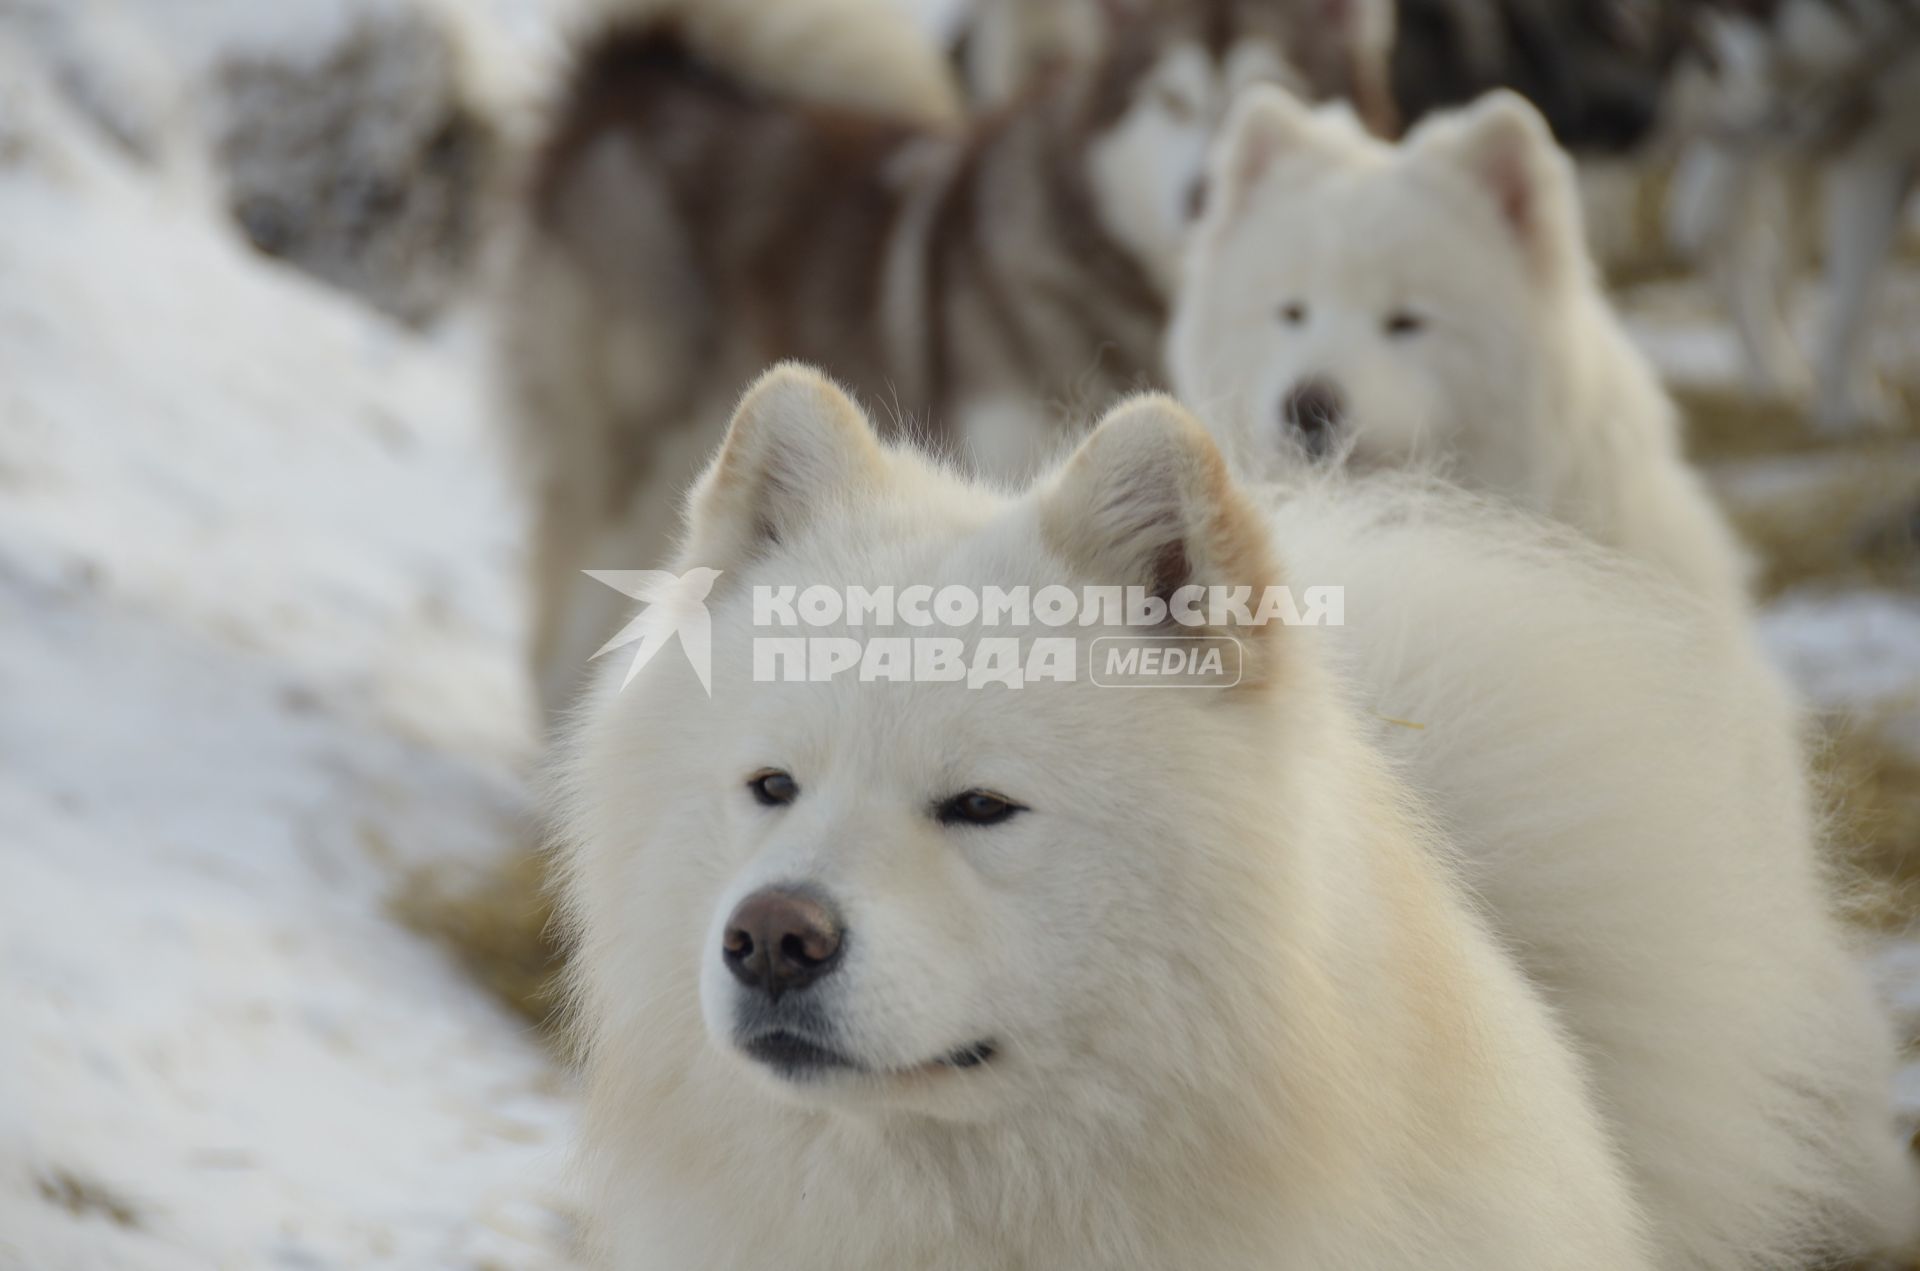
865 56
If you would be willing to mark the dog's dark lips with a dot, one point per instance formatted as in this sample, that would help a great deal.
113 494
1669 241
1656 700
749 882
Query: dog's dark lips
796 1057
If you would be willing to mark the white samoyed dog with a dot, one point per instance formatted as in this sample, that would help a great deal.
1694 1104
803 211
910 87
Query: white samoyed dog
884 975
1432 304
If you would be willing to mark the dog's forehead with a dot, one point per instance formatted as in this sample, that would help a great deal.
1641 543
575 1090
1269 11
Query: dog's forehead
984 584
983 721
1366 220
1305 220
930 585
926 524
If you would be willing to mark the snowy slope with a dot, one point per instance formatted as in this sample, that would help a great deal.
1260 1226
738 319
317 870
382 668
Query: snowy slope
258 610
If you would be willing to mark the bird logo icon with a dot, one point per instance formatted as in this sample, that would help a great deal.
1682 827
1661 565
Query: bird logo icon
676 605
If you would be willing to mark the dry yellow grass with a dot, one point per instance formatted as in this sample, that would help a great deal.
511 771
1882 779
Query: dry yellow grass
1870 784
497 920
1852 522
1725 423
86 1197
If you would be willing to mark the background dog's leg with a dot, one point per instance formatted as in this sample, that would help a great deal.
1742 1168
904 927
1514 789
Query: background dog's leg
1753 265
1864 196
1730 210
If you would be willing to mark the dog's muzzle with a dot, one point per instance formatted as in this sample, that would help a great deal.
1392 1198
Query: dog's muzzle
1312 413
778 945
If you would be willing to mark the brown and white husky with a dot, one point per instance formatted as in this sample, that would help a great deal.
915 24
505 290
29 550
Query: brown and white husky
698 210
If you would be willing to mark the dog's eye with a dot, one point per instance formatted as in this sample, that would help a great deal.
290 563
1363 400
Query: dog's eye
774 788
976 807
1403 322
1293 313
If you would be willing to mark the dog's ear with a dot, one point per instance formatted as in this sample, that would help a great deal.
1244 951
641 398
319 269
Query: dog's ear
1506 149
1266 124
1146 502
797 447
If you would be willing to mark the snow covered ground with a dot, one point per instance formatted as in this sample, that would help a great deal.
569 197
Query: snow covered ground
258 622
259 631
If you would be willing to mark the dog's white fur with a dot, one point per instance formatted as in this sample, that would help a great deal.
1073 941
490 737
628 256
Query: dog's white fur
1623 769
1246 1013
1516 378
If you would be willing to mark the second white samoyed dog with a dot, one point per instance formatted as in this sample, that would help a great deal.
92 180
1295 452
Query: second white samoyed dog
1432 304
916 975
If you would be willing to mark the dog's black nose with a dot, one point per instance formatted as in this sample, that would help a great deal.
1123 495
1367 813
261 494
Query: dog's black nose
779 939
1313 410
